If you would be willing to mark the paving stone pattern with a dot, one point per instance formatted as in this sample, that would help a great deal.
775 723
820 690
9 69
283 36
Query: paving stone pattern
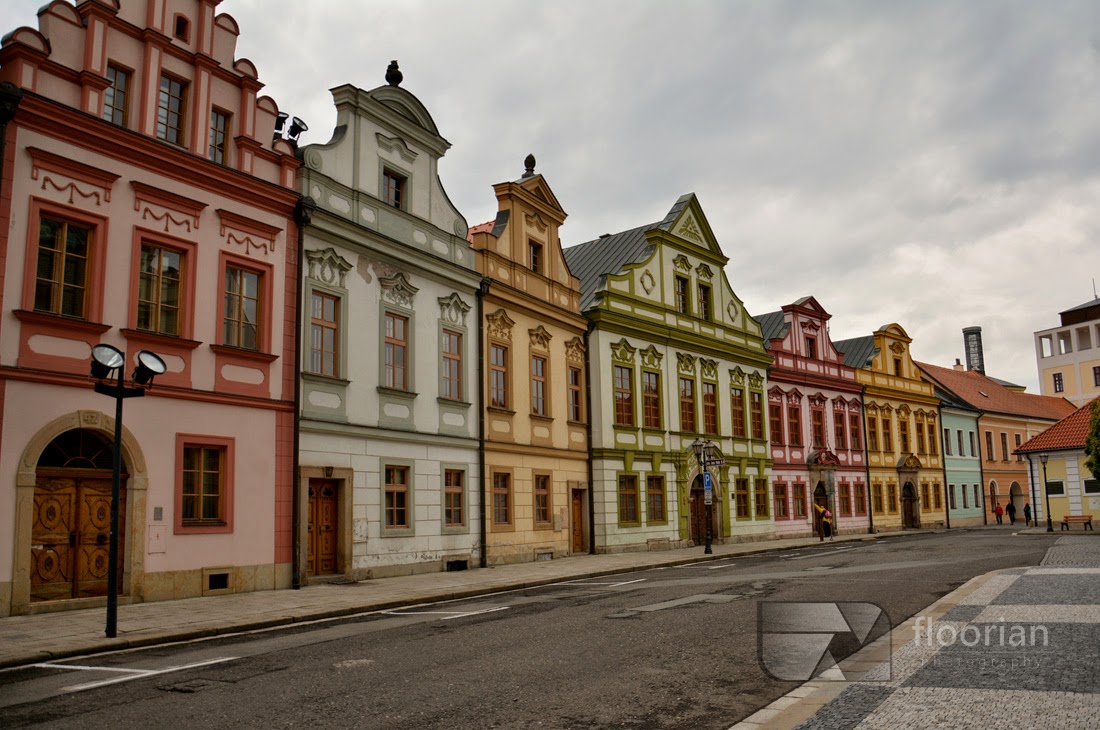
849 709
997 658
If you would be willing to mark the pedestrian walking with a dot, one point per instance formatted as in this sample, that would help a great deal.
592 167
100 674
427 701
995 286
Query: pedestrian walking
1011 513
1027 514
999 511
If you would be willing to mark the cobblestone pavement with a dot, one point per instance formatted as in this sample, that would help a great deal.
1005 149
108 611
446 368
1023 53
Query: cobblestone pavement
1014 647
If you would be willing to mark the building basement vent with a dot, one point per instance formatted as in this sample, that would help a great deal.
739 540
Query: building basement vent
453 565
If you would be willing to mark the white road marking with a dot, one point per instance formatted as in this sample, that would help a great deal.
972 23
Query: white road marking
447 615
823 552
627 582
475 613
93 669
723 565
690 565
132 675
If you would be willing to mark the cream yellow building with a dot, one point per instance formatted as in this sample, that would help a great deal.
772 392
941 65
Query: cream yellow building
902 431
533 344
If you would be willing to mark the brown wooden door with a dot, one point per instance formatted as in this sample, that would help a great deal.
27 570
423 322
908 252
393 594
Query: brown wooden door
578 522
698 517
910 512
70 537
322 528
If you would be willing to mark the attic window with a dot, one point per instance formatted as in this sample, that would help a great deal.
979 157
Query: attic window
393 188
182 28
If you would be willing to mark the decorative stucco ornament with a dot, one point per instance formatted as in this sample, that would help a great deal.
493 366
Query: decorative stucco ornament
394 77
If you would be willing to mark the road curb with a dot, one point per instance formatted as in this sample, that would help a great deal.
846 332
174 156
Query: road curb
85 647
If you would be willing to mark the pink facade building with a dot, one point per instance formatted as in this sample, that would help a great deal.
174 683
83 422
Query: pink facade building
815 424
143 205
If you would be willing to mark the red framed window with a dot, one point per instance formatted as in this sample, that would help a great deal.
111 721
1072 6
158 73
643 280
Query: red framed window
794 425
502 498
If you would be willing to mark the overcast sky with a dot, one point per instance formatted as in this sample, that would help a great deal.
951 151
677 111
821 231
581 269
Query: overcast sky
928 163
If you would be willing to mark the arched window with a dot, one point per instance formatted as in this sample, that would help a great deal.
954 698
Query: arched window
78 449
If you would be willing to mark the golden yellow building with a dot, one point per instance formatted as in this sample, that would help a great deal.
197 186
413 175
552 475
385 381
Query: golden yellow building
533 342
901 426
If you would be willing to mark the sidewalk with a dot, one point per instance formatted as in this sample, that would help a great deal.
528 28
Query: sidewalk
49 636
1015 647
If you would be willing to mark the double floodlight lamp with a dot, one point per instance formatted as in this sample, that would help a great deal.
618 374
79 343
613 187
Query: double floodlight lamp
107 359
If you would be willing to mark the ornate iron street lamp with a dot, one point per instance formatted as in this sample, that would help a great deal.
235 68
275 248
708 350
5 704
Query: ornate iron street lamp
702 451
1046 490
108 361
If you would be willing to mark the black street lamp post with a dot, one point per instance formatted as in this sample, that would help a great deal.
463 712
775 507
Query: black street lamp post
108 361
1046 491
702 451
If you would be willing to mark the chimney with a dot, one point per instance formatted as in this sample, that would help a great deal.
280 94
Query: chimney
972 345
958 365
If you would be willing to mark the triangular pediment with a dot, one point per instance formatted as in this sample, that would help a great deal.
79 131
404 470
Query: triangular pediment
537 186
690 224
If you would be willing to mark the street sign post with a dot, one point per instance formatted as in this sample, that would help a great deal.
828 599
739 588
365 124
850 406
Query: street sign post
714 462
708 488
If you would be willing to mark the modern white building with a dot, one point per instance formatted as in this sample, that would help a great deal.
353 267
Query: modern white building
388 471
1068 356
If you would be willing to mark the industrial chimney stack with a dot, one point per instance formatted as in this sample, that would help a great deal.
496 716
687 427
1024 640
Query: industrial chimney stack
972 343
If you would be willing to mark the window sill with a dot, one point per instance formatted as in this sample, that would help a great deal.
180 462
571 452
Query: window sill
627 525
325 379
396 393
241 353
157 338
454 403
497 410
544 525
61 321
398 532
540 417
579 424
203 529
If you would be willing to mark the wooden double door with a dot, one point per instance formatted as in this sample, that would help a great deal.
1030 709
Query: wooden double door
322 539
70 536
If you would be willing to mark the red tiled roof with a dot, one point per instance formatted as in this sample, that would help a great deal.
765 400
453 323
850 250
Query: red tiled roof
479 228
986 394
1069 433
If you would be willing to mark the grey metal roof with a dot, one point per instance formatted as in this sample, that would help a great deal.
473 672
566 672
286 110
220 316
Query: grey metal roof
772 324
1091 303
858 352
593 261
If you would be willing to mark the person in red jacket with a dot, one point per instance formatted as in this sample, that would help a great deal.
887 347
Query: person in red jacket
999 511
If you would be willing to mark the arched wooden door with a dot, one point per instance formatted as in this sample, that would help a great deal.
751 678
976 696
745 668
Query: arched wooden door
71 525
910 506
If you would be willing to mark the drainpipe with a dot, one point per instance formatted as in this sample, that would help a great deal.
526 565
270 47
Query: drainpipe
1031 486
303 214
981 472
943 464
867 465
483 553
588 429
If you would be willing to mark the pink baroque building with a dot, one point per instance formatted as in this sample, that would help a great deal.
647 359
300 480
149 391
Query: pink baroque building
815 424
144 205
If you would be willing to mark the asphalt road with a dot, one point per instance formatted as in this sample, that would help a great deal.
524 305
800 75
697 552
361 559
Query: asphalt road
665 648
